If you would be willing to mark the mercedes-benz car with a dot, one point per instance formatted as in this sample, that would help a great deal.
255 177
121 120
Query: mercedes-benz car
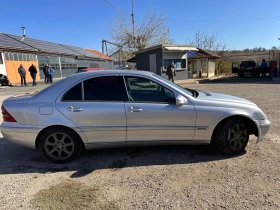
115 108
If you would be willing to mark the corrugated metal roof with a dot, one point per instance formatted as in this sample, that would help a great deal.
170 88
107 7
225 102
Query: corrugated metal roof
9 42
99 54
177 48
28 44
45 46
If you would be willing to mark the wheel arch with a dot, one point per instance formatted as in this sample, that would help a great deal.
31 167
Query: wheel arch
252 126
37 141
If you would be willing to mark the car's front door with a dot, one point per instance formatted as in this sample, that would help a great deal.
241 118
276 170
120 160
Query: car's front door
152 113
96 106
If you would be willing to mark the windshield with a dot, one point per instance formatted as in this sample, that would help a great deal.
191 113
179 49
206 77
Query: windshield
174 85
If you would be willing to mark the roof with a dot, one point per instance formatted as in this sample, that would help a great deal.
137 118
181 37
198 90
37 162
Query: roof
15 43
169 47
201 53
99 54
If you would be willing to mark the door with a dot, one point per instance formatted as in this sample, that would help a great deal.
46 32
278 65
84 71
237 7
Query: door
152 114
98 110
153 63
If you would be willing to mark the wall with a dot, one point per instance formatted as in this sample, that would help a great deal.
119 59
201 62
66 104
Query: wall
2 64
12 70
143 63
180 74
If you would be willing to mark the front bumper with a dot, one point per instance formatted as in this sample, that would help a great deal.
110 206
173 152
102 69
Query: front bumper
263 127
24 135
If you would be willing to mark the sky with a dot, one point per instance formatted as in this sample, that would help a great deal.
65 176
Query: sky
240 24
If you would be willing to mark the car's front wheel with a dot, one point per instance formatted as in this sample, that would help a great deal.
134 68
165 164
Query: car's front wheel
232 136
60 145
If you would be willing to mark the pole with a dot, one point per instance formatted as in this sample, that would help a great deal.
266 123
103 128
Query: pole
120 58
102 46
132 17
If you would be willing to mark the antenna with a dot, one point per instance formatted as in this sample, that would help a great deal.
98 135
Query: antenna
23 33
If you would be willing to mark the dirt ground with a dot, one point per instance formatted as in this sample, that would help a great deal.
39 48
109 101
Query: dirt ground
170 177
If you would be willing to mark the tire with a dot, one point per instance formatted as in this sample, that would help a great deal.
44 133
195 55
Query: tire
60 145
232 136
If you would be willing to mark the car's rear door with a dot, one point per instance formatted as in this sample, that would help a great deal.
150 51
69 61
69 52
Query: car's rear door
96 106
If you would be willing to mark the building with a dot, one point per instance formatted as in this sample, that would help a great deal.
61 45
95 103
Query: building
64 59
189 61
120 60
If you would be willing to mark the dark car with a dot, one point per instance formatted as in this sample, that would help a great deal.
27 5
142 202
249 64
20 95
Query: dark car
249 68
89 70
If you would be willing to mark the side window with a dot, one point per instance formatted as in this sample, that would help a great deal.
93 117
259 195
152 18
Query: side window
74 94
144 90
107 88
1 60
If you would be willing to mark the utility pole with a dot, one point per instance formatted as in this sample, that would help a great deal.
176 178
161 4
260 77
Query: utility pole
132 18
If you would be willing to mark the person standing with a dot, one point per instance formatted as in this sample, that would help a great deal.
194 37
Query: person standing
50 72
171 72
22 74
33 72
263 67
45 69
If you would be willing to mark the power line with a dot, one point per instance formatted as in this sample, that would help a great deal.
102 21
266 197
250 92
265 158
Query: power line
217 21
115 8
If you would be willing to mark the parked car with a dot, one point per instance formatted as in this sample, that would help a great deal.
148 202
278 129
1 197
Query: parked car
115 108
249 68
89 70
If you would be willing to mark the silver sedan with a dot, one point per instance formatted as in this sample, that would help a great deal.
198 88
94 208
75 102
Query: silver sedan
115 108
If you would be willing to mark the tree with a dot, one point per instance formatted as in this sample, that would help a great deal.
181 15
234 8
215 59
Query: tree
207 42
213 44
151 30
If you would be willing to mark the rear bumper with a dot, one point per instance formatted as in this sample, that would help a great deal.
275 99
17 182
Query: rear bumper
263 126
19 134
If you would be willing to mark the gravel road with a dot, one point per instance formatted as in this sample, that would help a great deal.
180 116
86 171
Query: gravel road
172 177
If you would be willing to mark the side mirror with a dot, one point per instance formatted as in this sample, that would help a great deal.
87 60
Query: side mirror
180 101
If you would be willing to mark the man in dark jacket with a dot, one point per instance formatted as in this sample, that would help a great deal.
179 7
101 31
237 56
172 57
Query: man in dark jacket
33 73
170 72
45 70
22 74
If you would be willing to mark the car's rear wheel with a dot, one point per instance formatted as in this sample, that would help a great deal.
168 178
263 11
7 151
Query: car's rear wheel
60 145
232 136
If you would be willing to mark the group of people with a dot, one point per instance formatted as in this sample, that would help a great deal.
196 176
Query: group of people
47 70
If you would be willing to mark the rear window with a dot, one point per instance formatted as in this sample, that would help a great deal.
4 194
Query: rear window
248 64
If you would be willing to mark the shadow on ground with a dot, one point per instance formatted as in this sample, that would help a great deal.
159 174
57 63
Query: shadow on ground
19 160
243 80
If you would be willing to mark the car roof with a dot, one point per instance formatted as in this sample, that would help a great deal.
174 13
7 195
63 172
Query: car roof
109 72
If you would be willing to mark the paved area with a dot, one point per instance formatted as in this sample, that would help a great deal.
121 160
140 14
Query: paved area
182 177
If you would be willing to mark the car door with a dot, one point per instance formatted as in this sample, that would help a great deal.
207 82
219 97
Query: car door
152 114
96 106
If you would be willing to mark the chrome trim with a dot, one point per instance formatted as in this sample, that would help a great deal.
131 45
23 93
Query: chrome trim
160 127
83 93
201 128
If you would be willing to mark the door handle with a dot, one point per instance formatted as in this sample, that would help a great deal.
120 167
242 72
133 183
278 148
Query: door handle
134 109
74 109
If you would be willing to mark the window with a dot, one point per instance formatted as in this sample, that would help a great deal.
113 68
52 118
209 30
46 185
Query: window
28 57
7 56
11 56
110 88
24 57
74 94
20 57
15 57
144 90
1 60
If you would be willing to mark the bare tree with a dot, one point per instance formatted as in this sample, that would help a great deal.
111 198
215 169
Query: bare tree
151 30
207 42
213 44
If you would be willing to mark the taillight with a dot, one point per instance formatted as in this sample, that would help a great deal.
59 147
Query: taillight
6 115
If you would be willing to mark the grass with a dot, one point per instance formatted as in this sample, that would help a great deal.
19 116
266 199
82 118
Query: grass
71 195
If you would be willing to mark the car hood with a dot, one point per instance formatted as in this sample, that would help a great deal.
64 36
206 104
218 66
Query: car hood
219 97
